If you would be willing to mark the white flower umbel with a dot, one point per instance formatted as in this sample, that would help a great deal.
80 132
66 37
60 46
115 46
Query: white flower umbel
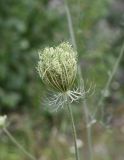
58 66
58 69
2 121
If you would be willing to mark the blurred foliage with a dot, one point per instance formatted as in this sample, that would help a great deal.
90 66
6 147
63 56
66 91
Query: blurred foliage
24 27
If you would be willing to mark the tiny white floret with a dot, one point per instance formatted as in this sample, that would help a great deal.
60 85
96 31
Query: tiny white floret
3 120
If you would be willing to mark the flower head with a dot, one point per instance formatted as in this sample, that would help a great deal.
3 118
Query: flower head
58 66
2 121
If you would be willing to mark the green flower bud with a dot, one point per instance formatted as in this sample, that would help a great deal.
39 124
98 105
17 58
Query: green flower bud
58 66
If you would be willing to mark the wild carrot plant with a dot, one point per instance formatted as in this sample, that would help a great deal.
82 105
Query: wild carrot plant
58 69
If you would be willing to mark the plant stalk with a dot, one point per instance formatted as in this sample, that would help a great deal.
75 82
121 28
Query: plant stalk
107 86
89 130
18 145
85 107
74 132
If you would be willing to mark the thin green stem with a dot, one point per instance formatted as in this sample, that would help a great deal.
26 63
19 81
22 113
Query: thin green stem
89 130
18 145
70 25
100 103
87 120
74 132
85 107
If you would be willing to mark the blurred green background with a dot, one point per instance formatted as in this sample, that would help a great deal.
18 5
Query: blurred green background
29 25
